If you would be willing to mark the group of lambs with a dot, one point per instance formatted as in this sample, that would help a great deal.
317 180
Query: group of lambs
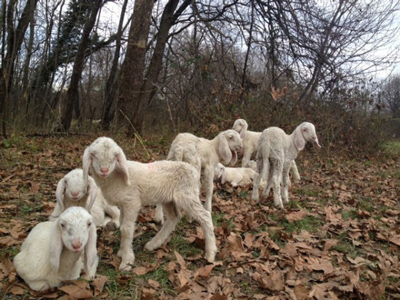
60 248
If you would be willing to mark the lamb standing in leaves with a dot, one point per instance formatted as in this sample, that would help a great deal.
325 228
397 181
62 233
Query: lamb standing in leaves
276 152
131 184
205 154
251 143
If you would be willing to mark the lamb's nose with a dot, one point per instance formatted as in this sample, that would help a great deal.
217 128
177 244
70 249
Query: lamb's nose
75 194
104 170
76 244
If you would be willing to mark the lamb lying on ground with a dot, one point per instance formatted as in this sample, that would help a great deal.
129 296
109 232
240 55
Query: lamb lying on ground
251 144
131 184
52 251
72 190
276 152
235 176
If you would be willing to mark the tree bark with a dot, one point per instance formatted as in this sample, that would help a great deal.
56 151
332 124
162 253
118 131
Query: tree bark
148 88
112 83
132 69
14 42
73 90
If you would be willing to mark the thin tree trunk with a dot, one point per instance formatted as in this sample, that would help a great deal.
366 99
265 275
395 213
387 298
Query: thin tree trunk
112 82
148 89
14 42
73 91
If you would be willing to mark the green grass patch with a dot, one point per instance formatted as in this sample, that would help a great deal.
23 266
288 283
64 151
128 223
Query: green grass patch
307 192
219 220
392 148
183 247
349 214
346 247
366 204
308 223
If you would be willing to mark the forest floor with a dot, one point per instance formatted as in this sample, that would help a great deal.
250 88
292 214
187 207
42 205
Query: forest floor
338 238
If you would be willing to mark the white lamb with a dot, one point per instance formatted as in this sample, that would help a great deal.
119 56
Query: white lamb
72 190
205 154
131 184
276 152
52 251
251 143
235 176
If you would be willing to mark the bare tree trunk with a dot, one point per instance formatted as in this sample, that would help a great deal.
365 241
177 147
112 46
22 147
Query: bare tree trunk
148 89
133 66
73 91
25 80
14 42
112 82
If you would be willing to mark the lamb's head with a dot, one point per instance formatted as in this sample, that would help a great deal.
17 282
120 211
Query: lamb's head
229 144
73 187
104 156
218 171
74 224
74 230
240 126
305 132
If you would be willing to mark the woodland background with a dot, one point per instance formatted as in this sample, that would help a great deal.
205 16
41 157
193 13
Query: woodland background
171 66
142 71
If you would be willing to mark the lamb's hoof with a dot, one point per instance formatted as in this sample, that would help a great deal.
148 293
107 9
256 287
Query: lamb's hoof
210 257
87 276
149 246
111 226
126 266
159 220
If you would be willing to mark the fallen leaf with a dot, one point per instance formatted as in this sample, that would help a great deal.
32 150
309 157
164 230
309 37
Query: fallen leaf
77 291
99 283
139 271
204 271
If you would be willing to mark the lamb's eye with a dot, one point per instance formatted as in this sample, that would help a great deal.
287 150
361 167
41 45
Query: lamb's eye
62 226
89 224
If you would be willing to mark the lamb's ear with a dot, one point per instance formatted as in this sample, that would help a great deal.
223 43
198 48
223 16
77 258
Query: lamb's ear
56 246
61 186
243 131
86 162
123 164
225 153
298 139
92 191
90 248
223 177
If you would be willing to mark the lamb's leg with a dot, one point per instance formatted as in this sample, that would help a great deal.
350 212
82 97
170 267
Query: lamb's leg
209 183
269 185
172 219
276 181
286 181
159 214
129 215
295 171
263 169
195 210
246 157
114 214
